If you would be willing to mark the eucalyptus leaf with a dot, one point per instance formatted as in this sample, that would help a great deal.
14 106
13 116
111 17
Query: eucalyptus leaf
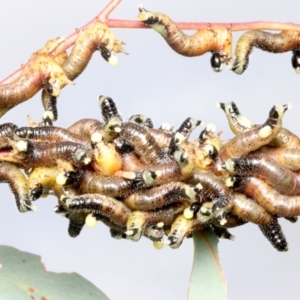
207 280
23 276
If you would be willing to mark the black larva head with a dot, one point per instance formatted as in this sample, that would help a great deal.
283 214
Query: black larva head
296 61
36 193
48 87
216 62
105 53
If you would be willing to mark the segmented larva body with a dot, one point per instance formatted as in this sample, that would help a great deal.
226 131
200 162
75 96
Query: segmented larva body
255 137
160 196
11 174
249 210
143 143
165 172
109 207
114 186
139 219
275 235
40 70
216 185
36 154
180 228
43 179
96 37
204 40
239 123
86 127
141 120
277 175
76 223
7 129
161 137
287 157
270 42
50 134
108 108
271 200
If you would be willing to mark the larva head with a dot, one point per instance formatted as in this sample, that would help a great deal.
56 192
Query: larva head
83 156
117 234
155 232
235 182
216 62
154 20
24 204
188 126
276 114
36 192
141 120
148 177
296 62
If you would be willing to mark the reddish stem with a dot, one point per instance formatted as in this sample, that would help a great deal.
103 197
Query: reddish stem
113 23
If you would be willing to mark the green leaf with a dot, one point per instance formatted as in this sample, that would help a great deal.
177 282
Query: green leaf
23 276
207 280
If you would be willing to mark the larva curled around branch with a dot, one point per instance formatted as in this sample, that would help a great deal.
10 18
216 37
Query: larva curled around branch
271 42
95 37
42 71
217 41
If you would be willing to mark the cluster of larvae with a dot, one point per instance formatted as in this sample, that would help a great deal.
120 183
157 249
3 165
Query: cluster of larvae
143 181
219 42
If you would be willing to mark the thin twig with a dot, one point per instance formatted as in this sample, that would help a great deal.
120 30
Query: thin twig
114 23
256 25
70 40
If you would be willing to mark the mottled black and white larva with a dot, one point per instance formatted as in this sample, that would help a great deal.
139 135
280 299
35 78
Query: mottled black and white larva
37 154
275 235
205 40
270 42
50 134
161 196
255 137
108 108
17 181
222 199
144 145
114 186
276 174
104 205
95 37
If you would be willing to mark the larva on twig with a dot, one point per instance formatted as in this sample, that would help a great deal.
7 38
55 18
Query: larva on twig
217 41
271 42
42 71
95 37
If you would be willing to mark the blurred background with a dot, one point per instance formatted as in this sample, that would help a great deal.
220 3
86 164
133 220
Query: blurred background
159 83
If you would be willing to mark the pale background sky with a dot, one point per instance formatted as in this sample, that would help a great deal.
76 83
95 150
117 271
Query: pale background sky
169 88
